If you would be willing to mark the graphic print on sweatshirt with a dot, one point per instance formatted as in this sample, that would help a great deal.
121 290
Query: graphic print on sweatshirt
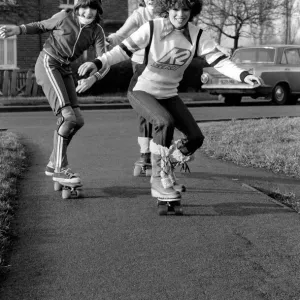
173 60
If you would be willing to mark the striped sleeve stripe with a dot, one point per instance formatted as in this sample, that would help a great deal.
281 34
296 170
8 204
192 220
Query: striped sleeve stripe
132 44
216 61
126 50
53 81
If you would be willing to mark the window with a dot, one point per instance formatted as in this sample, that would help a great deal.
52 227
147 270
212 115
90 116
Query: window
8 53
67 3
257 55
291 56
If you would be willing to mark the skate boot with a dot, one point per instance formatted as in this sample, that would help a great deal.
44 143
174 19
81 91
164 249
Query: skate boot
66 176
178 159
142 167
161 185
177 187
168 200
49 170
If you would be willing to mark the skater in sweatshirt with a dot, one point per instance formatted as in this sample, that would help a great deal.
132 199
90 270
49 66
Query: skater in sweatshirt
140 16
170 43
71 33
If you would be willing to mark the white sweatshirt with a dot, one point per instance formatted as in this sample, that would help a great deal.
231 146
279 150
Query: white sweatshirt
169 57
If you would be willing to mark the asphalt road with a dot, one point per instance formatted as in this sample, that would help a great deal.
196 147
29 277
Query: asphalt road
232 242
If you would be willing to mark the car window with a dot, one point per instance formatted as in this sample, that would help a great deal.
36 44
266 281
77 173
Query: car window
257 55
291 57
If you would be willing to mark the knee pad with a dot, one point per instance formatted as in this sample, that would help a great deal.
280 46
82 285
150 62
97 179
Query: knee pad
66 122
79 117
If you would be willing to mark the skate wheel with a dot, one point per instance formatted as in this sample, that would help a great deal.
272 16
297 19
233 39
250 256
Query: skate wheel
66 194
162 210
178 210
137 171
57 186
79 194
148 172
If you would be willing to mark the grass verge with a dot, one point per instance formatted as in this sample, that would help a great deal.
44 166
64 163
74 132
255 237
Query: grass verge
12 163
118 98
271 144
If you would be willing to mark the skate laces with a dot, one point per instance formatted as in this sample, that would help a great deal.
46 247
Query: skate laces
179 159
68 172
184 167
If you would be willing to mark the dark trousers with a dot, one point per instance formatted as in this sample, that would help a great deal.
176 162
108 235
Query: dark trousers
165 115
145 128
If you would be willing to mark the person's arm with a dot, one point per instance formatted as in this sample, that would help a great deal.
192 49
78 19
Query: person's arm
87 83
32 28
130 26
45 25
225 50
215 58
137 41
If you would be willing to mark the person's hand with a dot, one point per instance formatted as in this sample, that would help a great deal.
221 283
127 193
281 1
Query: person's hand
9 30
224 50
85 84
87 67
252 80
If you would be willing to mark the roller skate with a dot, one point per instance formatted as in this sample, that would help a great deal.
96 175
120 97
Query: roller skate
178 159
49 171
168 199
68 183
142 167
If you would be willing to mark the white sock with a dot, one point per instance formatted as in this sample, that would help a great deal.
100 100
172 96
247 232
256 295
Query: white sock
144 143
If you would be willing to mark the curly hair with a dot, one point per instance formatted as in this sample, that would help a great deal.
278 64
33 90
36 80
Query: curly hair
142 3
94 4
162 7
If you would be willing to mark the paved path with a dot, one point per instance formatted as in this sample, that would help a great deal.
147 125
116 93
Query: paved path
232 242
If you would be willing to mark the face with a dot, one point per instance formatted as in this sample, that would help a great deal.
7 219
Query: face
87 13
179 16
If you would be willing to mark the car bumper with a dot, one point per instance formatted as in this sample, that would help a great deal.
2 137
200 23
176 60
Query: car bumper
243 89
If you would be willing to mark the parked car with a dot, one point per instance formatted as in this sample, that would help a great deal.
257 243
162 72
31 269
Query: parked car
277 65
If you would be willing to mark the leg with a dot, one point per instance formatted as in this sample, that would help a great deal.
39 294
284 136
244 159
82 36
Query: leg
51 76
154 112
163 129
79 124
143 165
185 122
180 152
145 134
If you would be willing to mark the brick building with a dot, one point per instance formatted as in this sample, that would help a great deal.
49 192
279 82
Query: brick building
22 51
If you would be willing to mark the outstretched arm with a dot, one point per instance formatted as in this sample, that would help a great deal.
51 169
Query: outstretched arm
137 41
9 30
222 63
130 26
32 28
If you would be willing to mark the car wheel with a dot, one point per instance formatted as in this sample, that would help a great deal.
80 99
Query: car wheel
232 99
280 94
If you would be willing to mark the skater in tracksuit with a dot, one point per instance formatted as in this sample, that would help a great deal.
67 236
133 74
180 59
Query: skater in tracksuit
171 42
71 33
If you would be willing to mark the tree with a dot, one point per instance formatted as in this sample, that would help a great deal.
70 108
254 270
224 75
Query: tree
290 11
236 18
